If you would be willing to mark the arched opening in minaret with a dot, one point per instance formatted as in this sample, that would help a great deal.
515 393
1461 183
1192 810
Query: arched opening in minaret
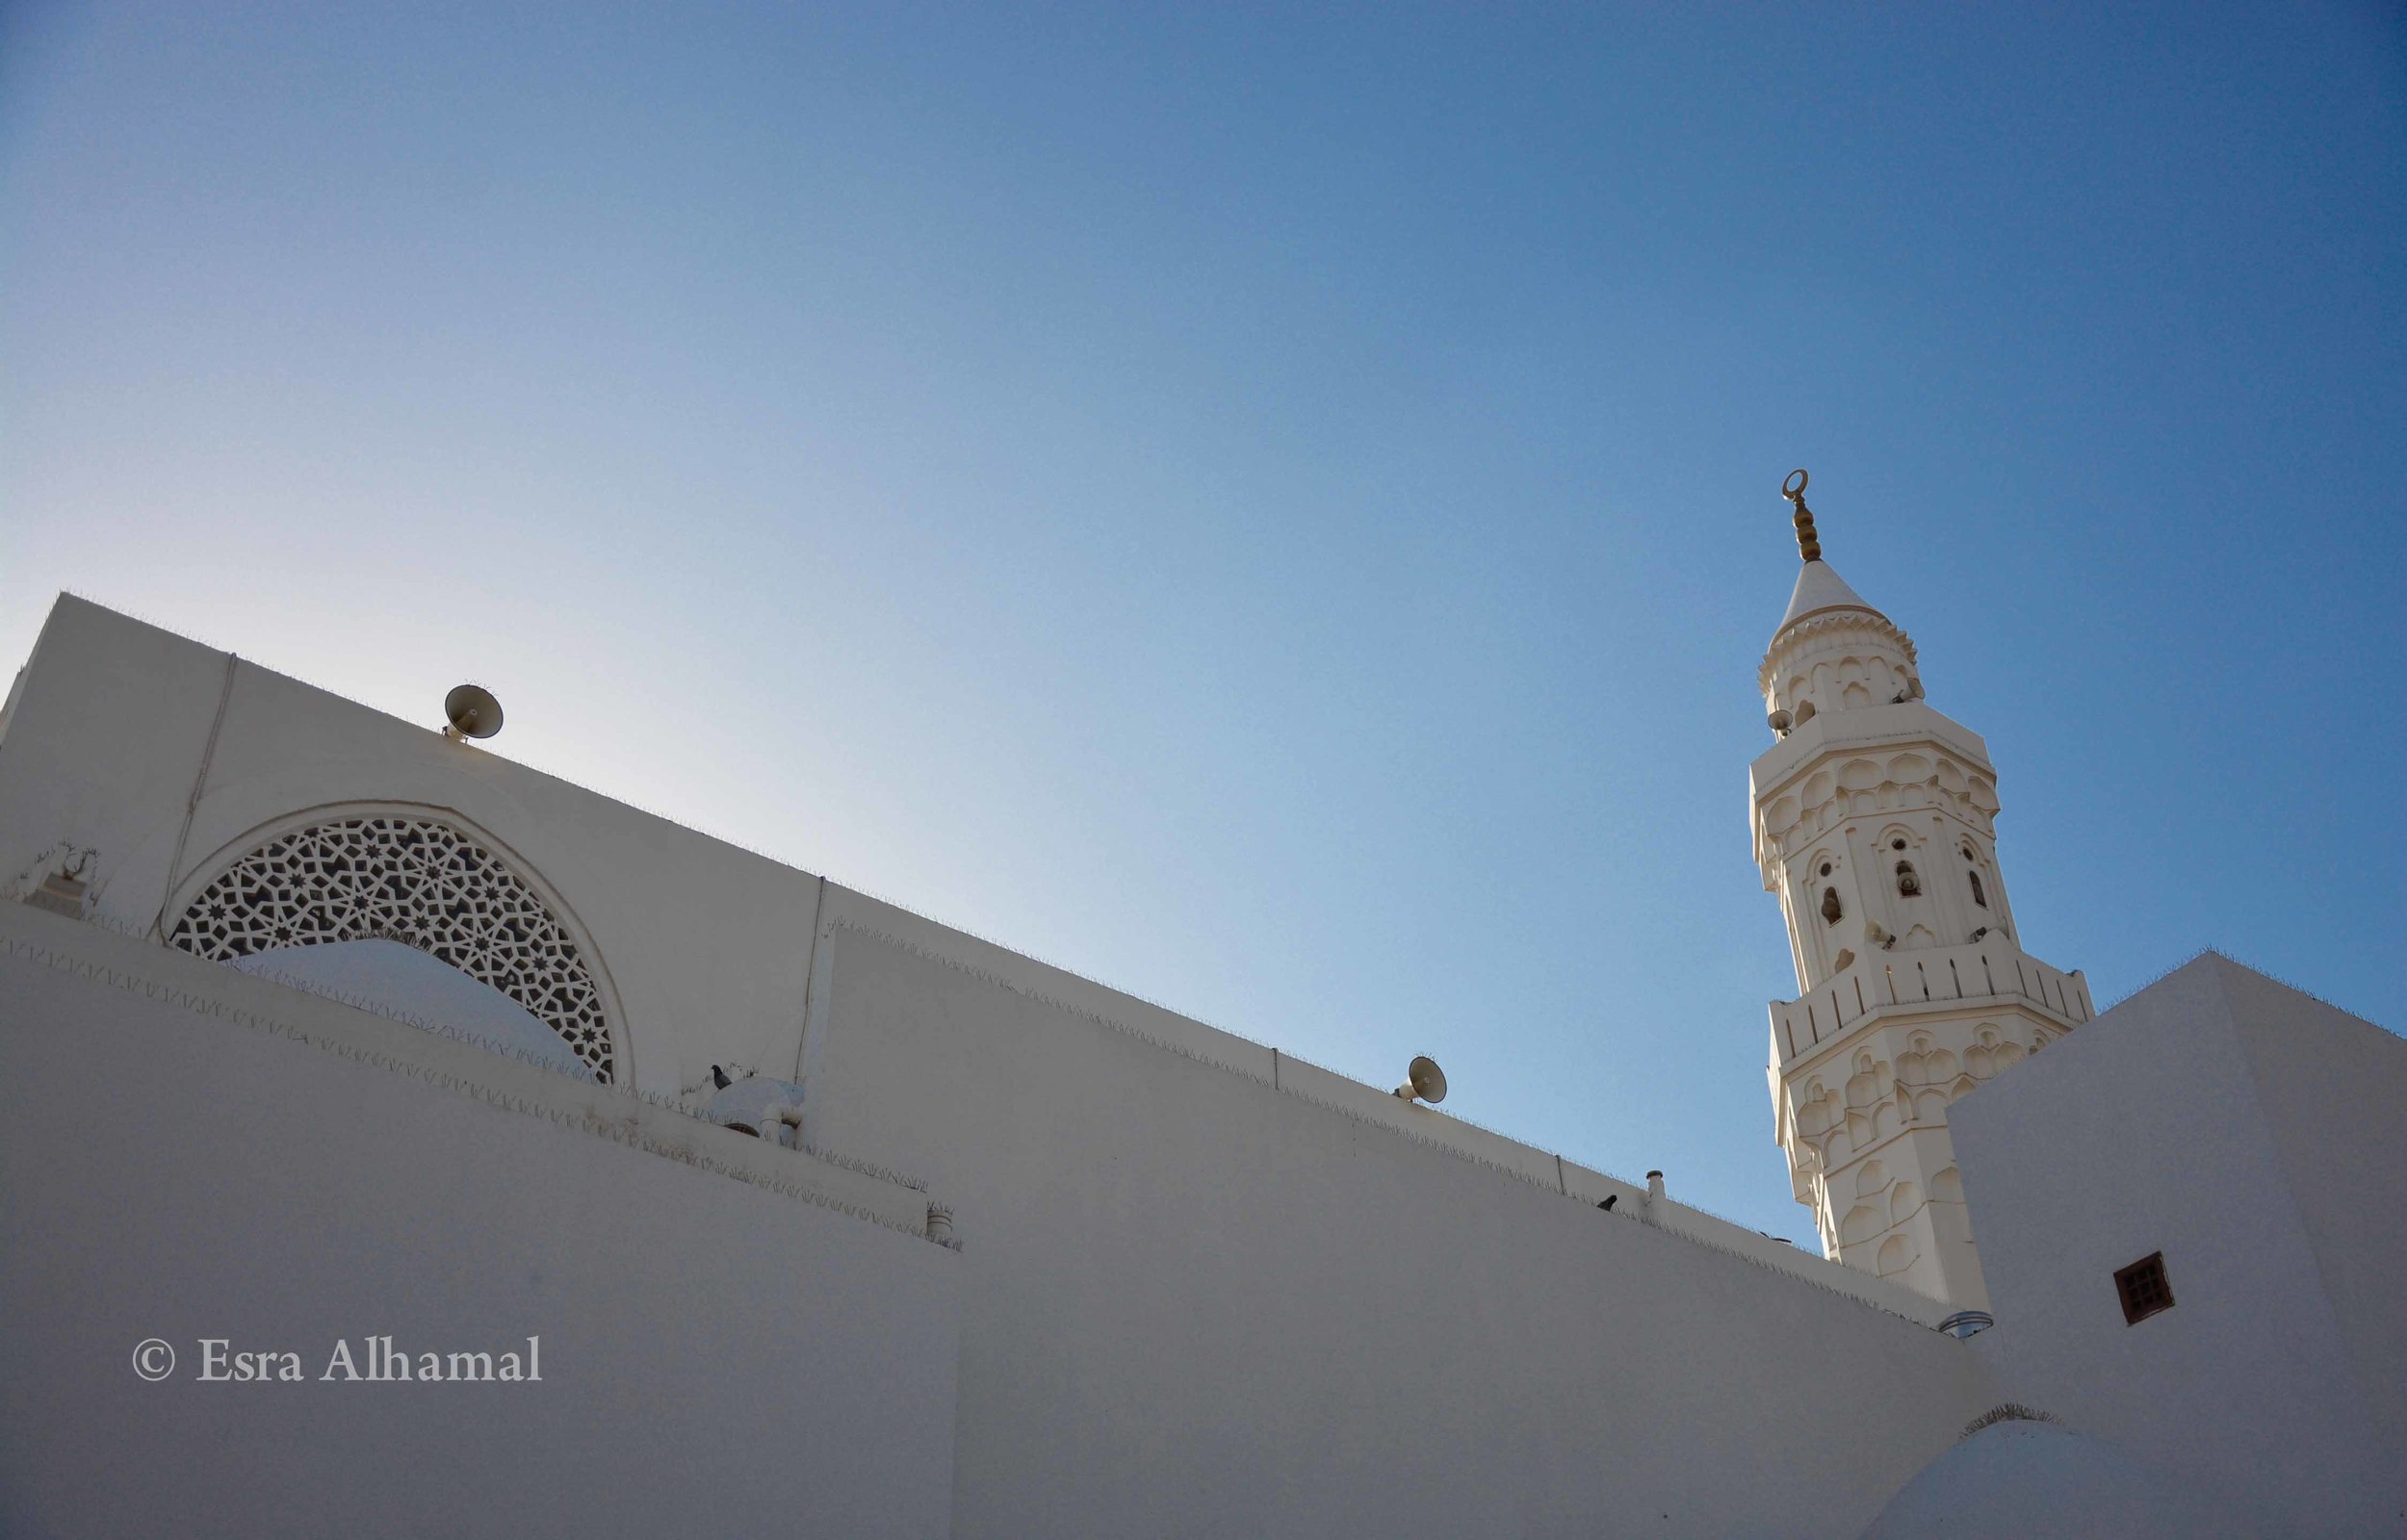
1979 896
1908 884
1831 907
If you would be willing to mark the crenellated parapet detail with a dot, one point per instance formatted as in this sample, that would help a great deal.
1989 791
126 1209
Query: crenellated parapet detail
1840 659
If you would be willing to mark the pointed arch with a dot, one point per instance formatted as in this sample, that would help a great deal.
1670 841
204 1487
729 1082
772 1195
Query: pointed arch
415 875
1863 1222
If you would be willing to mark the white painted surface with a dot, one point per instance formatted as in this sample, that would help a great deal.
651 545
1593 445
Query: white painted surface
2334 1091
1819 588
1207 1288
1215 1290
717 1357
707 948
2016 1480
2152 1130
114 724
1202 1304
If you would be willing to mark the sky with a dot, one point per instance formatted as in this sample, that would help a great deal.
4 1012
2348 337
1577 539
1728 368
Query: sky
1278 508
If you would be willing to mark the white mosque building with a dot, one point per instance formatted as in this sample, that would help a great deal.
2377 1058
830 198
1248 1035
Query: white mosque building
399 1141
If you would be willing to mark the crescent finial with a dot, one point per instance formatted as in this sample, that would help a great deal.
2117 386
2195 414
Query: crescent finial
1808 542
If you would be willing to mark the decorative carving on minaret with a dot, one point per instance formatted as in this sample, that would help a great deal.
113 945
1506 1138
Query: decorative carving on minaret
1864 791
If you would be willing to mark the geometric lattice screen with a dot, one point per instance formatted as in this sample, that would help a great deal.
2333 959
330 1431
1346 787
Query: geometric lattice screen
412 880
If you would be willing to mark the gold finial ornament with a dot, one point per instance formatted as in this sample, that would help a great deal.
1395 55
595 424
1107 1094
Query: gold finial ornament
1808 542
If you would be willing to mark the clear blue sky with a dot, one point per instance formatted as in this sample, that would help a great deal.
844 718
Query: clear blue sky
1276 509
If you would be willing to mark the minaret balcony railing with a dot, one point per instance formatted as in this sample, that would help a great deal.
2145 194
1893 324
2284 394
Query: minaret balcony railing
1926 979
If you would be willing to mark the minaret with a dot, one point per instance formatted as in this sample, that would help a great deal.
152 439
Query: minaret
1875 824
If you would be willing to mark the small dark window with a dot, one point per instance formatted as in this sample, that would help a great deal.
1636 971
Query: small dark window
1897 844
1830 910
1908 886
1979 897
1825 868
2143 1289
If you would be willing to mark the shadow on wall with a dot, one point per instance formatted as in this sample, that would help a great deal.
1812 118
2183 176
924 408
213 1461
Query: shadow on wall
399 980
2018 1477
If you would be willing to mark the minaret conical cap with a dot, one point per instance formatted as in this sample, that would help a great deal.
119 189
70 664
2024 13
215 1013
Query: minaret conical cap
1820 588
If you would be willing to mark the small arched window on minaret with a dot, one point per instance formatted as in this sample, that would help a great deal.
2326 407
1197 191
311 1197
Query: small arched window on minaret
1830 910
1980 894
1908 885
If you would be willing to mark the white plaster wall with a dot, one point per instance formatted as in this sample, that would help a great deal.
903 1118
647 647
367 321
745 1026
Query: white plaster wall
1198 1303
2333 1090
2017 1480
1214 1289
2145 1132
717 1357
707 947
107 733
109 739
